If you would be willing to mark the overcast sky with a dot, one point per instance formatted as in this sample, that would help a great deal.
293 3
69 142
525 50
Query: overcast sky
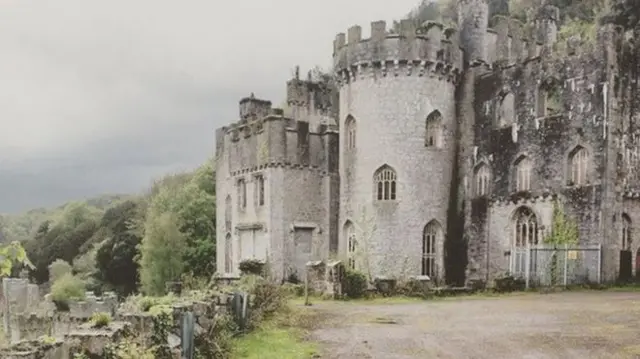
103 96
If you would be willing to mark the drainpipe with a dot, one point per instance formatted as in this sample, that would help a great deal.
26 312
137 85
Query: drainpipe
488 238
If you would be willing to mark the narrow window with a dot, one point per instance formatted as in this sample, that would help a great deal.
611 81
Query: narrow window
430 238
242 193
350 235
506 114
578 164
541 102
482 180
227 214
626 232
433 137
260 190
523 174
350 133
228 254
385 183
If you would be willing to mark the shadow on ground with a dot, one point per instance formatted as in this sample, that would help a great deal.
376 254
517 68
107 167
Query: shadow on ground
562 325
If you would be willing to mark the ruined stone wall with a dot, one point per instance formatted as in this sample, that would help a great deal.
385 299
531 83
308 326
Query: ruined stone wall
558 102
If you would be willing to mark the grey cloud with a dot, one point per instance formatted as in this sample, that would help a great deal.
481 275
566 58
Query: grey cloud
102 96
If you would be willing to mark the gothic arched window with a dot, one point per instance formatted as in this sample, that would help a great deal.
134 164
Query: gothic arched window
350 133
352 244
431 237
482 180
385 183
578 166
523 168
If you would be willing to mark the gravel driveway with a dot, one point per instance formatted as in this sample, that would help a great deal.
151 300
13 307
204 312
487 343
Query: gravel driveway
561 325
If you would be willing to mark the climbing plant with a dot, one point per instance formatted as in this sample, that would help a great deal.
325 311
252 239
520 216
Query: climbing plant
564 231
10 255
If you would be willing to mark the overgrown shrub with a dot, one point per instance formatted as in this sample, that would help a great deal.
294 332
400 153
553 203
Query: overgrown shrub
252 266
57 269
354 284
129 349
216 343
509 283
100 320
295 290
67 288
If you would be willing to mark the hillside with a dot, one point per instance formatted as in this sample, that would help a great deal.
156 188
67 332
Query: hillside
23 226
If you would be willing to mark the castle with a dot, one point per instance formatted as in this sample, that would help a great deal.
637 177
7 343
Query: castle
437 151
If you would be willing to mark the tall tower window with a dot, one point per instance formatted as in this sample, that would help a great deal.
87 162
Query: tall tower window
350 133
523 168
578 164
352 244
260 190
242 193
433 125
385 183
482 180
431 236
626 232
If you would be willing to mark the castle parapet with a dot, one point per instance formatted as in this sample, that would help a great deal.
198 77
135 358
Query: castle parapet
509 43
425 48
252 108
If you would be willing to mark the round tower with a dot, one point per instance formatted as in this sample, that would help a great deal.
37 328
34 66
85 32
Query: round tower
473 21
397 118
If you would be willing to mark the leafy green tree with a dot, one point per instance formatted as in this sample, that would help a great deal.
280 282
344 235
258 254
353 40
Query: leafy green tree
57 269
116 253
563 230
161 251
13 254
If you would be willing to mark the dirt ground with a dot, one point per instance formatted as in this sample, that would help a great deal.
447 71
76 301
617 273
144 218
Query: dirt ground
560 325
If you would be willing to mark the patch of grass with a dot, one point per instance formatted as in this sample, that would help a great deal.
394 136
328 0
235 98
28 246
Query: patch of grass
282 337
273 342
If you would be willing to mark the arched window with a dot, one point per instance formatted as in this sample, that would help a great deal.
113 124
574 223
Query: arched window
506 113
350 133
626 232
227 214
431 236
578 164
385 183
433 137
525 233
522 174
352 244
482 180
228 254
525 228
242 193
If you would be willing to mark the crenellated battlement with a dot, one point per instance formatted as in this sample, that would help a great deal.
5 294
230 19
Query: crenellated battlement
508 42
429 48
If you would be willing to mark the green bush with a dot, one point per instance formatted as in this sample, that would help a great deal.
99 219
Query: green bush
100 320
252 266
354 284
67 288
57 269
295 290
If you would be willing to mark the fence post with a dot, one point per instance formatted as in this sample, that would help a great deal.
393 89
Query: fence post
566 264
599 263
527 270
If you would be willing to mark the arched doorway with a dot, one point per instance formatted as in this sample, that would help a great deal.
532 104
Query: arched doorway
525 234
626 255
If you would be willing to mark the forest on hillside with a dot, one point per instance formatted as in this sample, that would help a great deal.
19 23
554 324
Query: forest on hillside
129 243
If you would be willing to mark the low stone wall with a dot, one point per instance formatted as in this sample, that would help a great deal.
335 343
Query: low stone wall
72 331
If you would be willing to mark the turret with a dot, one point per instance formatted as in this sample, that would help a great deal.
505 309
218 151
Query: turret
252 108
547 25
473 21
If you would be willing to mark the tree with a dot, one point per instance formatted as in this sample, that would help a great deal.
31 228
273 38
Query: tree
625 13
161 252
11 255
115 254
